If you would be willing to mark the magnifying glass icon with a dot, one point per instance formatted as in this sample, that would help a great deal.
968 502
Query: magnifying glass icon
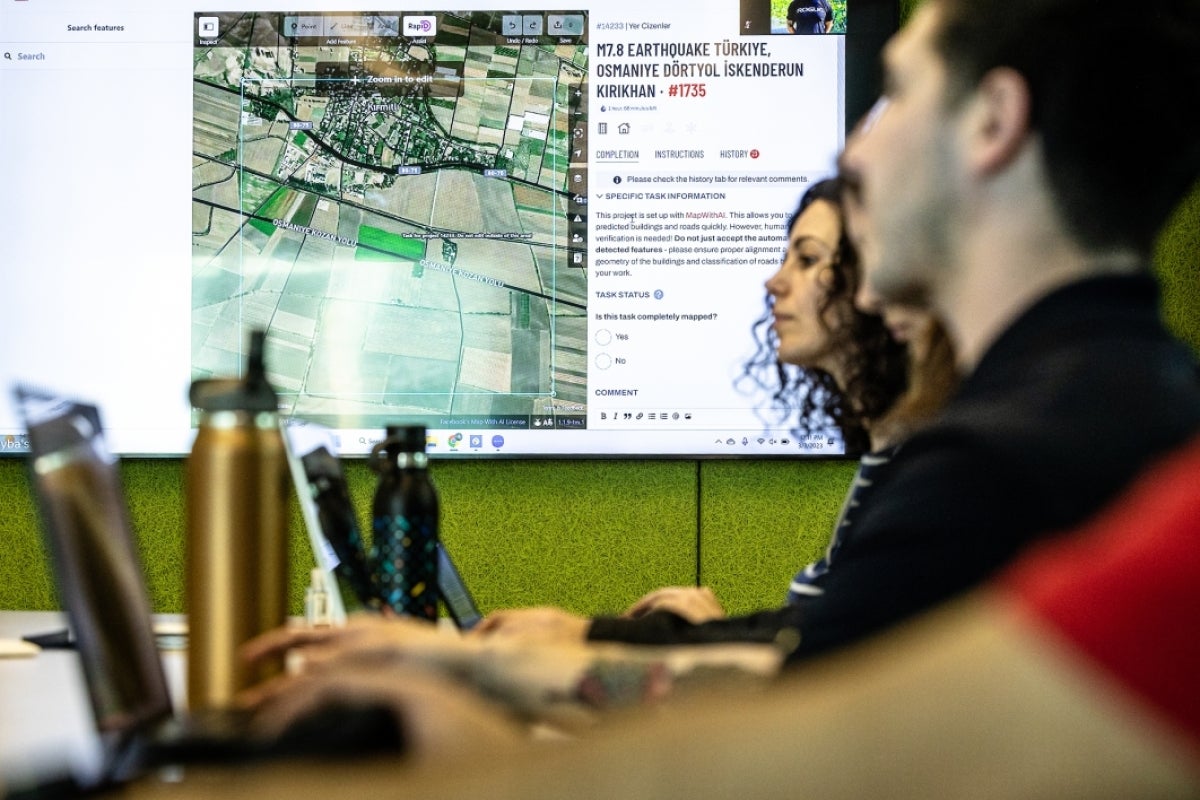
8 56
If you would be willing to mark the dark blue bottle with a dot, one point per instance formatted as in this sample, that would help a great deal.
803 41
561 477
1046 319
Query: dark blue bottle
405 524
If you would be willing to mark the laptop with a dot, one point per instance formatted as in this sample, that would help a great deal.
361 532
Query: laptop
334 535
102 589
455 595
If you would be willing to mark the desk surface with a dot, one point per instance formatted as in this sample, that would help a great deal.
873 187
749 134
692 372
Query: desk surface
46 724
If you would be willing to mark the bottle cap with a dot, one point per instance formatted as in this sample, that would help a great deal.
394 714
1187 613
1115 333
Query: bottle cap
400 439
407 438
251 393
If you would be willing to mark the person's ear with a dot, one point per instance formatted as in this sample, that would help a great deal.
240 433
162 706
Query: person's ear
827 277
998 121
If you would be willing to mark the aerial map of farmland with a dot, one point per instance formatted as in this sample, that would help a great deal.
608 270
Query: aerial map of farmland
393 209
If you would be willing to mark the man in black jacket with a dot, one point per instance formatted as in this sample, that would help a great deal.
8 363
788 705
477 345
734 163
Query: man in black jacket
995 189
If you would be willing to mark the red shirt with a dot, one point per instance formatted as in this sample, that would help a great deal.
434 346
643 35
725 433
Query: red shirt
1125 590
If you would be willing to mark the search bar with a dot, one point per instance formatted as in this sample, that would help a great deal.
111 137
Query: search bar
21 56
92 55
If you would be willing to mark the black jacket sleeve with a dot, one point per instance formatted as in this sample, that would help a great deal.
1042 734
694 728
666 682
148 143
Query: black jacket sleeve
664 627
920 540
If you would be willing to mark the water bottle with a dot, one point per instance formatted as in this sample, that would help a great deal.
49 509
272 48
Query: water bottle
237 520
405 524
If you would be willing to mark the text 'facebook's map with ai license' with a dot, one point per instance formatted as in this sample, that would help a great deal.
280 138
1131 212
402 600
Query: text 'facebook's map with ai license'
395 198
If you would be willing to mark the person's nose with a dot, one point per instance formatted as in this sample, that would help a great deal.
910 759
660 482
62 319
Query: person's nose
866 300
775 284
848 161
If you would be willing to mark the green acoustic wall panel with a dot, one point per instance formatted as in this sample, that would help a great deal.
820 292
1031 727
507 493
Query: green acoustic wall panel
763 520
154 491
1177 262
588 535
24 579
591 536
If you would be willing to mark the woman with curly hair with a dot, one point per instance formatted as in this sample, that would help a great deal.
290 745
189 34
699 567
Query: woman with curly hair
831 369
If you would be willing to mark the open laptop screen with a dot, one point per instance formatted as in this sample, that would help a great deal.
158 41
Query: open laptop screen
95 566
333 529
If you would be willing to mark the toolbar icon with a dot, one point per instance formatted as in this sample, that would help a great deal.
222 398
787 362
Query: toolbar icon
419 27
533 25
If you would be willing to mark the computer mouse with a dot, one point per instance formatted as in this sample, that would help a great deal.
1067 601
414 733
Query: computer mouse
342 729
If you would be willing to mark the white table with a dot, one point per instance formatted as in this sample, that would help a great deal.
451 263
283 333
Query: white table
46 723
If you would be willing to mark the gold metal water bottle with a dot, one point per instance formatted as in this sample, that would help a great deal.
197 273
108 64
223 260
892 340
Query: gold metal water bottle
237 489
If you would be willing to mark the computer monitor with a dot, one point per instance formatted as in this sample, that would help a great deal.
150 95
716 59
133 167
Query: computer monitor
538 230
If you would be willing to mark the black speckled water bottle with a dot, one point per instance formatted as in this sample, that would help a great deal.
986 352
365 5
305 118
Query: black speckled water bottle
405 524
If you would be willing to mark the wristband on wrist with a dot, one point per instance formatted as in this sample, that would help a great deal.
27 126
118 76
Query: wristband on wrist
619 684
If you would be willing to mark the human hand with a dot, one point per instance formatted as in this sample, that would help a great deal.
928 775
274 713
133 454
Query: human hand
696 604
365 639
526 674
533 625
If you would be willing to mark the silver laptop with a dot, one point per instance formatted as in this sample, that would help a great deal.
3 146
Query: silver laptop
102 589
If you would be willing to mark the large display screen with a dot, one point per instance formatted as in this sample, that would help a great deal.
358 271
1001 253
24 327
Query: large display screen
538 230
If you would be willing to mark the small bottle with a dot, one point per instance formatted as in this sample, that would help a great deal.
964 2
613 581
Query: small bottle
317 611
405 524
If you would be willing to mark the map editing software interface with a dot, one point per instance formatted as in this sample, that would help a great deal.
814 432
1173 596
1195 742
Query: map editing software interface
401 200
536 230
